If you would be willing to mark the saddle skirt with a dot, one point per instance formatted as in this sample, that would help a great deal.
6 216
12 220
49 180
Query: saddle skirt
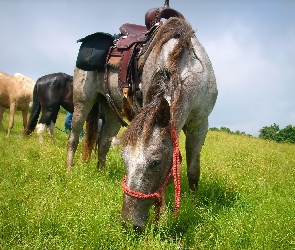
133 42
128 54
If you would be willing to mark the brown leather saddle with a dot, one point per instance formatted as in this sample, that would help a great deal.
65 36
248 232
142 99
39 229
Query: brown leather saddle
125 53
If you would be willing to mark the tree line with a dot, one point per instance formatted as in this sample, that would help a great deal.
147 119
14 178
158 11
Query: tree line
272 132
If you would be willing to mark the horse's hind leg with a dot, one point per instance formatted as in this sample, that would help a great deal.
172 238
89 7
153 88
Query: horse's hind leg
40 128
195 137
84 97
50 131
45 120
78 120
77 126
52 117
109 130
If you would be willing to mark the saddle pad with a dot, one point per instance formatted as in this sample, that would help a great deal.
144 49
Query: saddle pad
93 51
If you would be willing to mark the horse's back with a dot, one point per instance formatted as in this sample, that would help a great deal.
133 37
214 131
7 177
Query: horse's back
23 90
88 84
55 80
56 89
4 81
25 82
206 87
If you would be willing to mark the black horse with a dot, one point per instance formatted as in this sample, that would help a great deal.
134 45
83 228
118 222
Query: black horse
50 92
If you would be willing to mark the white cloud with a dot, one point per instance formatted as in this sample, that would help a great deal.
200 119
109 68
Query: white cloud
249 82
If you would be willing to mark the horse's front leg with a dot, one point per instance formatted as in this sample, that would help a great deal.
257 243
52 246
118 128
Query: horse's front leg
11 119
195 137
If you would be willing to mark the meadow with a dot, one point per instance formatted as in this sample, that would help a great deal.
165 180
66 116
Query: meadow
246 197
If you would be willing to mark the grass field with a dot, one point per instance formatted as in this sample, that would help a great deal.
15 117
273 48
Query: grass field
246 198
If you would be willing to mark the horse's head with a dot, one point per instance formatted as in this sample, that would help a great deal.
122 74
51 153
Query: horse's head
147 153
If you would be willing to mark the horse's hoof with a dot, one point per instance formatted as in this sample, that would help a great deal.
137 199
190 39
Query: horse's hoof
69 169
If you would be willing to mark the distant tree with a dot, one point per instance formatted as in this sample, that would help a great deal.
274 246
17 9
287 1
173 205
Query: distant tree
224 129
276 134
227 130
287 134
269 133
214 129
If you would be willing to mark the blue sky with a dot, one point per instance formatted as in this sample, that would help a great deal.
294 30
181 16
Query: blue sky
251 45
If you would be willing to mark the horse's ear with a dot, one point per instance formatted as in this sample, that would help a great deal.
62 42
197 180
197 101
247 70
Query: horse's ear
163 113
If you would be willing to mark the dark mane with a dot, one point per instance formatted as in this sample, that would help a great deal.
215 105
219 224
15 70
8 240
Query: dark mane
145 120
174 28
164 81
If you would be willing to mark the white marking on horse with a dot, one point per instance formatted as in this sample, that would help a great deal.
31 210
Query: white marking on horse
140 159
40 129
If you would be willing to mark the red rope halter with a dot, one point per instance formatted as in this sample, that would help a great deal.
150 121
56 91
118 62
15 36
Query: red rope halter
175 171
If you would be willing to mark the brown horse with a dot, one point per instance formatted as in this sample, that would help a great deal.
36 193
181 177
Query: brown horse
16 92
50 92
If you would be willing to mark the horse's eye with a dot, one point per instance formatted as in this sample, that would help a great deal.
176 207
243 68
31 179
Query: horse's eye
155 165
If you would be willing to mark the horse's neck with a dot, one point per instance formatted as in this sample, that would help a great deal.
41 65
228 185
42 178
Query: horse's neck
174 88
156 62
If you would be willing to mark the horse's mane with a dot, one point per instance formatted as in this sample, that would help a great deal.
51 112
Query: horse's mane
166 79
178 28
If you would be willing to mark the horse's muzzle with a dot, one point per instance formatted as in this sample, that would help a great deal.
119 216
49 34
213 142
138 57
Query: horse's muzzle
135 212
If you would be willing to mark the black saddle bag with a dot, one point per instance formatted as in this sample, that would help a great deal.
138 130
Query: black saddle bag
93 51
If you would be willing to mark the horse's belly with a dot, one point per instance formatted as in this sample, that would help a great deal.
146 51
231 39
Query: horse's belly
4 100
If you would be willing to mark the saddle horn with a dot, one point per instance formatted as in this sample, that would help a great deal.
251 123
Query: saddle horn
154 15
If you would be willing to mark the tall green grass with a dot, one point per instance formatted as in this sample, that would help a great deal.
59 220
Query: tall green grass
246 197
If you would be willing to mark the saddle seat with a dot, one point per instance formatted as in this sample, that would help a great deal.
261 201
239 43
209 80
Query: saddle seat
155 15
130 34
132 29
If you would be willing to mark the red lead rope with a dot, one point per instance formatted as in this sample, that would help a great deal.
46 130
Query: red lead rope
175 171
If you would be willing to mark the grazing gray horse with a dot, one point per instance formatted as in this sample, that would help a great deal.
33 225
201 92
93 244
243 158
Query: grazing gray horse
179 92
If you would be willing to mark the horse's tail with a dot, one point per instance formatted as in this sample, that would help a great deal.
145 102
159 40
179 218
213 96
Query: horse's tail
31 125
91 132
